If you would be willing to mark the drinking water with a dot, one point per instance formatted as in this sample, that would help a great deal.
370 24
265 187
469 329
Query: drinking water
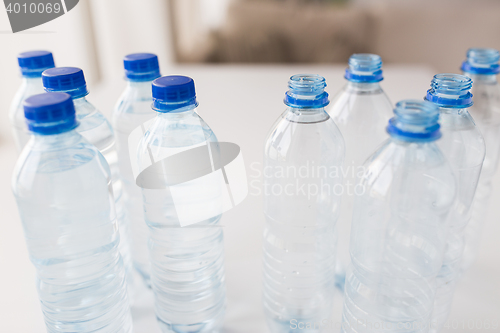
62 187
463 146
361 110
132 110
187 258
32 64
399 227
482 66
303 155
96 129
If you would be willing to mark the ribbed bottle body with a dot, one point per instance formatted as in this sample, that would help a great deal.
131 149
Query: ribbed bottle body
303 157
398 237
63 191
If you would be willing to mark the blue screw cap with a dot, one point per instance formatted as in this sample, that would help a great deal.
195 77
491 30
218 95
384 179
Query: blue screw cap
482 61
70 80
33 63
50 113
141 67
306 91
415 121
173 92
450 91
364 68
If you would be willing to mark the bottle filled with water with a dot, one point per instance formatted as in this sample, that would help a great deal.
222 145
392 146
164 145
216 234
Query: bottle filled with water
463 146
303 157
131 111
186 247
96 129
482 66
62 187
361 110
32 64
399 227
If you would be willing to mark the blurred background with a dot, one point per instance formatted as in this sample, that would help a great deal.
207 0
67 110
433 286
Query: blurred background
96 34
235 49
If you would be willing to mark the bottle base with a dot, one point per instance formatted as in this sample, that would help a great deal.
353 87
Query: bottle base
212 326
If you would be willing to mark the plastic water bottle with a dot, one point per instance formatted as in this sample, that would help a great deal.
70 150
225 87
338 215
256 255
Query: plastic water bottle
187 262
463 146
361 110
32 65
63 193
303 155
96 129
399 227
482 66
132 110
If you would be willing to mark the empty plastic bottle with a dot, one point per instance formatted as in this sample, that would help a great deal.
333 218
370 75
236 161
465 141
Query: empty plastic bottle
482 66
63 193
399 227
96 129
303 155
187 262
361 110
32 65
132 110
463 146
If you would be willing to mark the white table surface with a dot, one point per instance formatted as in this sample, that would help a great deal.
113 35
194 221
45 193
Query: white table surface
240 103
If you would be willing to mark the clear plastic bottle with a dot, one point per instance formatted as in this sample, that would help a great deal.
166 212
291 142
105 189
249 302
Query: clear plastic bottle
482 67
303 155
96 129
361 110
32 64
187 262
463 146
132 110
399 227
63 193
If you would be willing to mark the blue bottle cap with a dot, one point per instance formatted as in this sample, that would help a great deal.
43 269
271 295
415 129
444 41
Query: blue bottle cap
450 91
141 67
307 91
173 92
65 79
50 113
364 68
415 121
482 61
33 63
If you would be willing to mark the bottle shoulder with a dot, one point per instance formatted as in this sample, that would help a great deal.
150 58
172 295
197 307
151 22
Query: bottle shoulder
396 157
171 130
132 110
350 107
92 123
65 154
486 107
462 141
290 136
25 90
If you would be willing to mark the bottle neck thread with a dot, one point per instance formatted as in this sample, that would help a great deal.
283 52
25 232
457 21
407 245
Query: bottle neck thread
482 61
306 91
415 121
450 91
364 68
